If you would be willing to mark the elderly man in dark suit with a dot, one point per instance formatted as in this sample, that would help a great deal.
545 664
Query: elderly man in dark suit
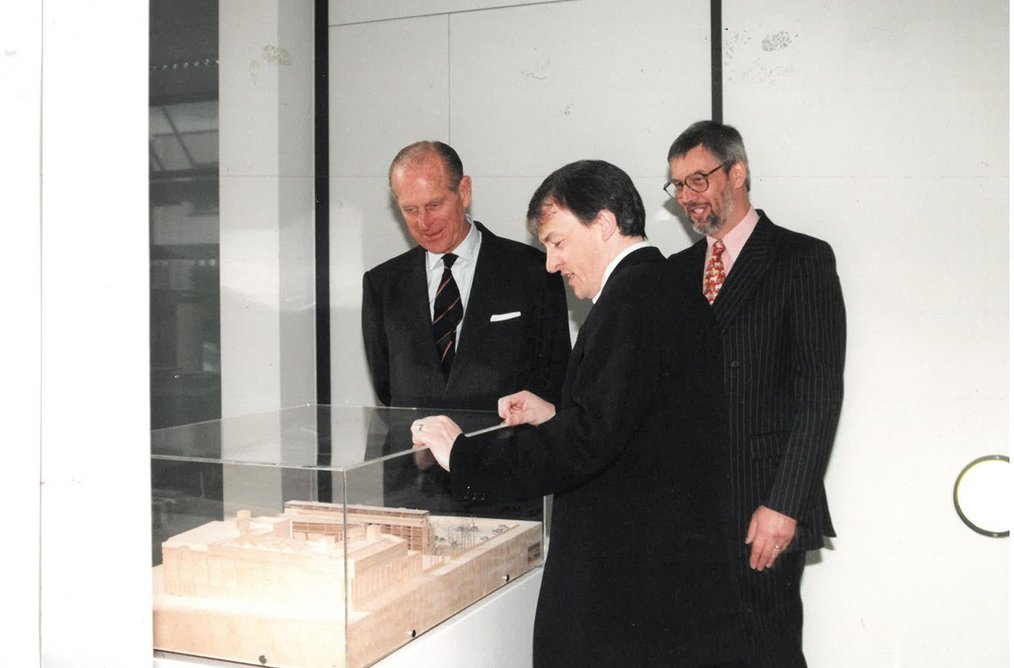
458 321
635 454
778 302
466 316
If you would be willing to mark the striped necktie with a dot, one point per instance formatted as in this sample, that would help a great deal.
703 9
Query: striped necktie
714 272
447 314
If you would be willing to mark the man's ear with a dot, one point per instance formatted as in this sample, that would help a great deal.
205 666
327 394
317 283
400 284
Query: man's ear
737 174
606 221
465 191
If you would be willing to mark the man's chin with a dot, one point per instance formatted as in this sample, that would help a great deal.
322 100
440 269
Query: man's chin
706 227
437 247
578 293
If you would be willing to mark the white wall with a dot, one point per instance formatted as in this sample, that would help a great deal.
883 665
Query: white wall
880 127
266 218
20 90
92 247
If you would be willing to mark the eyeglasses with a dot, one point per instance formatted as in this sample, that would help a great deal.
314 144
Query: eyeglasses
697 182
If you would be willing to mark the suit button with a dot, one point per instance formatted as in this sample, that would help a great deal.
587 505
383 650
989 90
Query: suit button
734 364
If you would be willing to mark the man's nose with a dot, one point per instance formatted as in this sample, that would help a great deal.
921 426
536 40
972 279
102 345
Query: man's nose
552 262
684 195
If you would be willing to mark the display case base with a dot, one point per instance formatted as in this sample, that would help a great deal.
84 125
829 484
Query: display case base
496 631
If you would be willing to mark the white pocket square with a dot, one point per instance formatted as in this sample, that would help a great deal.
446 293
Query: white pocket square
500 317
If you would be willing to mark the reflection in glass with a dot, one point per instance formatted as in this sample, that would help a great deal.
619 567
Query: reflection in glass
183 168
279 456
184 251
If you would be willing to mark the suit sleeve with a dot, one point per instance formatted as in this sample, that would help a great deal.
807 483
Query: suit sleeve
375 341
817 351
552 345
621 361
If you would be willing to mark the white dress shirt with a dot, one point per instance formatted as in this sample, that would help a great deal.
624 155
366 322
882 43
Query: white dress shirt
463 270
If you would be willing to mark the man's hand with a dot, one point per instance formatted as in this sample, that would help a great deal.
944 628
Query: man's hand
769 533
524 408
436 433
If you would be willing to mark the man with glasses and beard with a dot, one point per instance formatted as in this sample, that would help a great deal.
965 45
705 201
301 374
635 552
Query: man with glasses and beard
778 303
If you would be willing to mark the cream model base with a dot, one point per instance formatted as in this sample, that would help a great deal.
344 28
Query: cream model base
272 590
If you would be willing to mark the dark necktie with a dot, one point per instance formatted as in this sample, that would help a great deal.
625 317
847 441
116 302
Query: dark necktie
447 314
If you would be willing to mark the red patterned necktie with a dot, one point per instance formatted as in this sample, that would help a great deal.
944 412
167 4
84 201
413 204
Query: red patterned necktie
447 314
714 272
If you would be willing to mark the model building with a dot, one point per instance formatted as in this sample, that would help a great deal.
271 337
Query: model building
327 585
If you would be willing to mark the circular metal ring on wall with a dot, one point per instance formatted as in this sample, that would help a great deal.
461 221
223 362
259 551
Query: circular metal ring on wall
982 496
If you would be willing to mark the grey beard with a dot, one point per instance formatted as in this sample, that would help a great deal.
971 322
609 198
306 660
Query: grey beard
709 226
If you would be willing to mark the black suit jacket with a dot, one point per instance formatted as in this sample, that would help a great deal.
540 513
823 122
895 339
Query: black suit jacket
782 320
639 571
492 359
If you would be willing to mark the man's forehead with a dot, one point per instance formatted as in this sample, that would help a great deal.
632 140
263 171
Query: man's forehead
549 219
692 161
429 167
420 187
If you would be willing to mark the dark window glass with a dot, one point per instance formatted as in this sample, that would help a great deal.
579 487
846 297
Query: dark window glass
184 253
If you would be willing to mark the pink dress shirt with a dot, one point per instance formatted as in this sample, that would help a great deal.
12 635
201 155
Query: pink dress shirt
734 241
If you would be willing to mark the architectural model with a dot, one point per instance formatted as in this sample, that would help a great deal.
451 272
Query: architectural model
322 586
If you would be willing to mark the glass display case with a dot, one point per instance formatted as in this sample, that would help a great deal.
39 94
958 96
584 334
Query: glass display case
317 536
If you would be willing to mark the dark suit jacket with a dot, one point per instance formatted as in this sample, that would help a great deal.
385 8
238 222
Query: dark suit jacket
492 359
782 319
638 571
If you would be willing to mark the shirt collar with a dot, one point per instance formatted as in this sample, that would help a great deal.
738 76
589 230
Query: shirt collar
615 261
735 238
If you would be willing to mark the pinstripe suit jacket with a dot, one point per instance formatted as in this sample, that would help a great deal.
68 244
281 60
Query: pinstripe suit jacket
782 319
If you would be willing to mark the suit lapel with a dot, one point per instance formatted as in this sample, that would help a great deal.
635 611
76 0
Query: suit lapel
751 265
416 295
